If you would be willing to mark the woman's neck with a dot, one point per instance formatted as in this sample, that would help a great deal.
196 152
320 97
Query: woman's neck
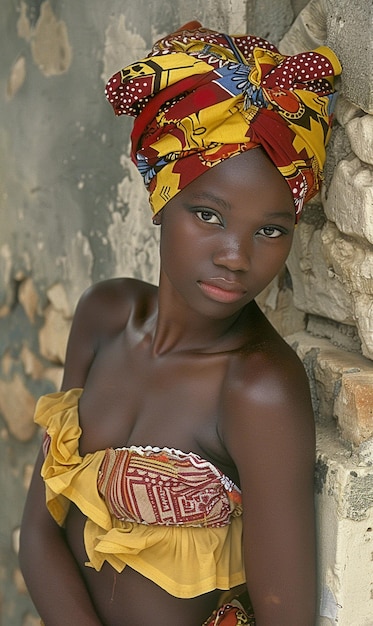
179 328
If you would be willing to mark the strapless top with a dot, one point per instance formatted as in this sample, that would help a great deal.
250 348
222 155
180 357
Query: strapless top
170 515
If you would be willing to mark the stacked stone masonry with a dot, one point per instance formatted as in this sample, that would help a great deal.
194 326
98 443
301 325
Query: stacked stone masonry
331 272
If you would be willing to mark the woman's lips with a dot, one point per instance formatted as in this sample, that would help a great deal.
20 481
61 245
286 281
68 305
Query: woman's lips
222 290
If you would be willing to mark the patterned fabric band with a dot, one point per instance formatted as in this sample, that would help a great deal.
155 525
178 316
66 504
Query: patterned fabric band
231 614
164 486
201 97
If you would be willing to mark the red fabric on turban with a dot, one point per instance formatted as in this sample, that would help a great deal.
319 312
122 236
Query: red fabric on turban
202 96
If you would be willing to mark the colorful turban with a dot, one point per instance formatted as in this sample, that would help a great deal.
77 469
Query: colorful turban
201 97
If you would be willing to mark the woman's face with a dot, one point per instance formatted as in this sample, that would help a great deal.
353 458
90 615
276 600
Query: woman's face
227 234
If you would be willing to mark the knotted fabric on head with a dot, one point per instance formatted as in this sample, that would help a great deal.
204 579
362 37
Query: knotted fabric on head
201 97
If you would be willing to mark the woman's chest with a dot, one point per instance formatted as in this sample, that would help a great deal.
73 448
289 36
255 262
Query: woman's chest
172 402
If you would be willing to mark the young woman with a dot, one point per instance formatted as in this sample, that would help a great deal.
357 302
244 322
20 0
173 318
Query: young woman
178 458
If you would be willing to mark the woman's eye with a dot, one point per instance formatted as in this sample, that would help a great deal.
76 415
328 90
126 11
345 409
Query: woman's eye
270 231
208 216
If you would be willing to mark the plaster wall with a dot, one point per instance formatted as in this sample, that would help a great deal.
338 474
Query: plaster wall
73 211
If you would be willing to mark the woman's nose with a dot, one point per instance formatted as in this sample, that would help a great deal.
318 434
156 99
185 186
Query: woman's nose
234 254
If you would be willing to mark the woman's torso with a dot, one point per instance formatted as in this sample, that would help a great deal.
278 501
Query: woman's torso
172 400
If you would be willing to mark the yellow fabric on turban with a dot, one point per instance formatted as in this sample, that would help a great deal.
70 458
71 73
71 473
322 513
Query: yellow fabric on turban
201 97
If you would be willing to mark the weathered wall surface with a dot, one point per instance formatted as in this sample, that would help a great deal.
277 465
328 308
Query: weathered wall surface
331 273
74 211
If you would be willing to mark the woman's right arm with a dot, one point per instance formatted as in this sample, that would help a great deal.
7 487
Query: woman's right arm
49 568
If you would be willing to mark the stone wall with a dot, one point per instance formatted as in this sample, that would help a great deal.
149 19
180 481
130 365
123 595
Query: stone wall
73 211
326 296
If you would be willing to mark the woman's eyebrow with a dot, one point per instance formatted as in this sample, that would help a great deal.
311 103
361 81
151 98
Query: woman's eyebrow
205 195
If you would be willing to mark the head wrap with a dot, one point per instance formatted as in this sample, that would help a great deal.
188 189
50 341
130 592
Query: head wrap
201 97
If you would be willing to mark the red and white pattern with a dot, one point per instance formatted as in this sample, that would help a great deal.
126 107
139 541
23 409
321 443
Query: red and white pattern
165 486
201 97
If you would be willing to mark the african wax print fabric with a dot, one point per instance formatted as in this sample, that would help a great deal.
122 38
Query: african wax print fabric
186 560
231 614
202 96
165 486
234 608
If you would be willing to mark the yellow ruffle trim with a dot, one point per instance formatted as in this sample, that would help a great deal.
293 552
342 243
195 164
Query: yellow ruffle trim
185 561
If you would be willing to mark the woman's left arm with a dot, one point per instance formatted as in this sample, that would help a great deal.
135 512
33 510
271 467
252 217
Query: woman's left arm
268 429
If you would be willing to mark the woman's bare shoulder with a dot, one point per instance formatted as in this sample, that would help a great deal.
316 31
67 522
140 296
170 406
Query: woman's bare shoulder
118 290
272 367
267 391
266 359
109 303
103 312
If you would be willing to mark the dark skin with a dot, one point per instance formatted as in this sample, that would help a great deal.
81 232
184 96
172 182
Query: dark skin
196 366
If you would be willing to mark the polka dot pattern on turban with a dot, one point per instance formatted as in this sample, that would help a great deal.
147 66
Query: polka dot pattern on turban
201 97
